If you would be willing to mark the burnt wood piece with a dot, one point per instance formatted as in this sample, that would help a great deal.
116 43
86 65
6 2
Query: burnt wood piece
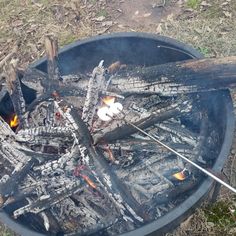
15 91
119 128
174 192
95 86
10 186
197 75
99 166
38 81
46 201
185 135
51 47
173 78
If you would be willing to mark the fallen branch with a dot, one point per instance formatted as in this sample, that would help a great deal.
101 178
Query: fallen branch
9 56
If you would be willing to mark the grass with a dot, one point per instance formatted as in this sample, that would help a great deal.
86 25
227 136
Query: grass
27 22
102 12
204 50
222 213
194 4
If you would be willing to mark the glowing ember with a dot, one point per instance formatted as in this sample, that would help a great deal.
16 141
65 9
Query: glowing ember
180 175
89 181
14 122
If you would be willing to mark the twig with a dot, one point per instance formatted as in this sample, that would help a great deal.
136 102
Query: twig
7 57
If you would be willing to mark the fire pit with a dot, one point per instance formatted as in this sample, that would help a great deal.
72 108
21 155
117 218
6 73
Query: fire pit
98 176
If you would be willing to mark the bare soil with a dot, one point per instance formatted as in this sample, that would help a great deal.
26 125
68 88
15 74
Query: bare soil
209 26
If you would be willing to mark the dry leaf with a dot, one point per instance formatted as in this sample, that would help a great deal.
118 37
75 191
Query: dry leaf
170 17
100 18
159 29
147 15
227 14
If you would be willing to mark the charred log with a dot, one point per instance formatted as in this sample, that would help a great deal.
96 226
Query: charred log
119 128
15 92
189 76
90 157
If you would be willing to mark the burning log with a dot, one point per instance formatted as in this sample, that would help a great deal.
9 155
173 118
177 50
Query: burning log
15 91
118 128
8 187
104 174
169 79
184 135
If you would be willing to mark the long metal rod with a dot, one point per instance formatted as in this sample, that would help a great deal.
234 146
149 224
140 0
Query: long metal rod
183 157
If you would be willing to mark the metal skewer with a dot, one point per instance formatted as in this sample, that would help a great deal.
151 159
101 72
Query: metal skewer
183 157
176 153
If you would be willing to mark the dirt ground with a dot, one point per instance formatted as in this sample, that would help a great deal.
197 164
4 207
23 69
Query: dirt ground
207 25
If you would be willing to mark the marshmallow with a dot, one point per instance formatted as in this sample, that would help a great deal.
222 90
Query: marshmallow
104 114
116 108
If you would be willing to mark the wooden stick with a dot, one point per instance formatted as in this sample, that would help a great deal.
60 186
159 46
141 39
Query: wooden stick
9 56
51 47
95 86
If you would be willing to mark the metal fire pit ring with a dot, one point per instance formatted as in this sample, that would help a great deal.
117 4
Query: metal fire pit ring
144 49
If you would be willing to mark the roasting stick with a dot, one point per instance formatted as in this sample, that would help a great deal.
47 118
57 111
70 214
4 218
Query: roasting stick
183 157
178 154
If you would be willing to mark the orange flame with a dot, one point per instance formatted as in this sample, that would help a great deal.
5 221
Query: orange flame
180 175
110 154
108 100
14 122
89 181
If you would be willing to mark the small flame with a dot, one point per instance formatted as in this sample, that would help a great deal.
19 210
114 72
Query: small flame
180 175
14 122
110 154
89 181
108 100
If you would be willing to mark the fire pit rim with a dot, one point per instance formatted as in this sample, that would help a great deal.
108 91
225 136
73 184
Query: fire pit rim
183 210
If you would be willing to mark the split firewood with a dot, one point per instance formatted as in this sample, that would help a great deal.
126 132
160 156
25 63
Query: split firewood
95 86
47 201
185 135
51 47
197 75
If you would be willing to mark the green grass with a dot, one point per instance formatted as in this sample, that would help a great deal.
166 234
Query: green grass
194 4
222 214
204 50
102 12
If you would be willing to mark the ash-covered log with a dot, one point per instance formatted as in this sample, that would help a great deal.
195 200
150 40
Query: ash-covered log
173 78
118 128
